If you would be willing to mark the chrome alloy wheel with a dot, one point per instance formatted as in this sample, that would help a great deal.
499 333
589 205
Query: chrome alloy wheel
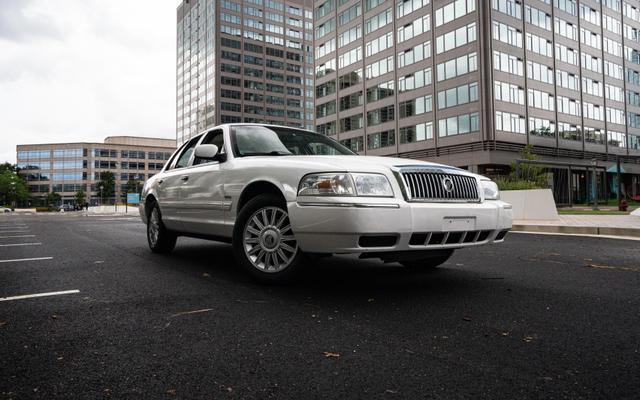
153 228
268 240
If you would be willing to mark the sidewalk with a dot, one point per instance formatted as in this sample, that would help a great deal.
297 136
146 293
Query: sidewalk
608 225
113 210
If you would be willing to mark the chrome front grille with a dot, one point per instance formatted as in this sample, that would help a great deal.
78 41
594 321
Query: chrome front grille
440 186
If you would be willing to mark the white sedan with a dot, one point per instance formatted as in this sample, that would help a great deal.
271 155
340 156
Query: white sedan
279 194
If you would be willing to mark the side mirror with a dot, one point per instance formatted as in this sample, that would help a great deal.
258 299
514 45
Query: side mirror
207 151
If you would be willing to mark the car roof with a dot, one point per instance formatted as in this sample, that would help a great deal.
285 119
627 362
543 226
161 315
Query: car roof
231 125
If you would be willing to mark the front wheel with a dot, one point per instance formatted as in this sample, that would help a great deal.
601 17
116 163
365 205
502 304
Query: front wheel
431 262
263 241
159 238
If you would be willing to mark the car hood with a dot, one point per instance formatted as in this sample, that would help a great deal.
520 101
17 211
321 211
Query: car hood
351 163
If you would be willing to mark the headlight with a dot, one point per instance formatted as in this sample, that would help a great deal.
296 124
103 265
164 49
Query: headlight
372 185
490 189
327 185
345 184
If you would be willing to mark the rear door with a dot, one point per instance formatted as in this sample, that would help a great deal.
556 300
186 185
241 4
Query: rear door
202 193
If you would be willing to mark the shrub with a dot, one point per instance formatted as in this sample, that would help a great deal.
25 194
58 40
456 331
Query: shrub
526 176
508 184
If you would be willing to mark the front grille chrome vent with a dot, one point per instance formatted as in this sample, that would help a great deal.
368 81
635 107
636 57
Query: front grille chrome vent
431 186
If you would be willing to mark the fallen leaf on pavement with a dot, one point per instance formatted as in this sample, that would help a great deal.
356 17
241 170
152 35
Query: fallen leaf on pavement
171 392
504 334
54 316
528 339
2 323
465 318
371 300
612 267
329 354
205 275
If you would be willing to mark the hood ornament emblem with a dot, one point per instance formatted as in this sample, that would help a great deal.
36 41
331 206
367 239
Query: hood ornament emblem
447 184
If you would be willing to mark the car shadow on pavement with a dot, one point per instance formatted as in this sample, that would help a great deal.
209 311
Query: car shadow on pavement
338 274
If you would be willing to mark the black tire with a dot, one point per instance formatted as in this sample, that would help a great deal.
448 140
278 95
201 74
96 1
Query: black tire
281 241
165 241
429 263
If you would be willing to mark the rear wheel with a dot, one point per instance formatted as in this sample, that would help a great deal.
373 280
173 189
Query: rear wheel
429 263
159 238
263 241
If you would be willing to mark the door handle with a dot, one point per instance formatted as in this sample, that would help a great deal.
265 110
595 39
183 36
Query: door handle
184 178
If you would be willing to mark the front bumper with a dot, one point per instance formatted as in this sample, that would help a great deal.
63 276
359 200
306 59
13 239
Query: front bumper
339 226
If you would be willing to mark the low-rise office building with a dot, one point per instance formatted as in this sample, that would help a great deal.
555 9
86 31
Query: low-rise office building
66 168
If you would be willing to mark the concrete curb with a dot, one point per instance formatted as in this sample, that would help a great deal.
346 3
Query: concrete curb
579 230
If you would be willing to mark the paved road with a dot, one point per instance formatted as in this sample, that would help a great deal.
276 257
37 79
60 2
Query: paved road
536 317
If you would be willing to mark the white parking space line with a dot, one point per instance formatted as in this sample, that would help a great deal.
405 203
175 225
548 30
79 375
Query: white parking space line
22 231
21 244
16 236
30 296
116 219
26 259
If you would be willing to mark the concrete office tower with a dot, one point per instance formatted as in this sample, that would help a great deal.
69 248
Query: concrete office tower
66 168
244 61
471 82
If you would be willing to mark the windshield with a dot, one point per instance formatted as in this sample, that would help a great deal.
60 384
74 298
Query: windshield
273 141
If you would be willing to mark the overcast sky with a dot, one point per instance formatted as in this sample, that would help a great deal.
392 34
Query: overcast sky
81 70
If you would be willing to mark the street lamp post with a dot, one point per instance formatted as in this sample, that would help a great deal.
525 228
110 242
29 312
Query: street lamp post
594 162
13 193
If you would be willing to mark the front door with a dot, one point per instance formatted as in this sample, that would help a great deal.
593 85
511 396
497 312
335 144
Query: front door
202 193
169 187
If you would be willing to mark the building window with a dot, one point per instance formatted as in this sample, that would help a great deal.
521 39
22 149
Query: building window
416 133
381 139
381 115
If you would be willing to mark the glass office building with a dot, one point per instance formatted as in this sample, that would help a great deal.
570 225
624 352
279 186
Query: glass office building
243 61
471 82
66 168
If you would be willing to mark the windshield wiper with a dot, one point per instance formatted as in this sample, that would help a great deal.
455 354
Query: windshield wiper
266 153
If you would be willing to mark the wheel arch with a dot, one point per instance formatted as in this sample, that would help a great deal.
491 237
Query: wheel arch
257 188
148 201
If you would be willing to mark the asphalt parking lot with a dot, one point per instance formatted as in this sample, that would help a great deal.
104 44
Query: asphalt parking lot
536 317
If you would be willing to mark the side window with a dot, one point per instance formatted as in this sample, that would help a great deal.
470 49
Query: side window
214 137
185 156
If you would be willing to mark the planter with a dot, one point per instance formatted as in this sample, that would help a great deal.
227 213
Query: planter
534 204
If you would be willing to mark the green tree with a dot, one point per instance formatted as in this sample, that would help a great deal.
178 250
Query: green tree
80 197
106 185
53 199
4 167
12 187
133 186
